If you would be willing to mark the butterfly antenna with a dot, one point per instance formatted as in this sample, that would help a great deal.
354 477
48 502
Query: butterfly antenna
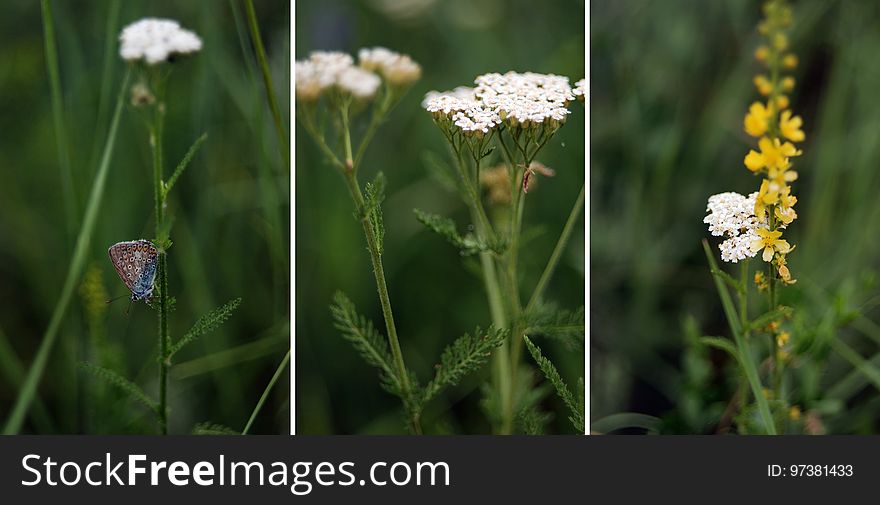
114 299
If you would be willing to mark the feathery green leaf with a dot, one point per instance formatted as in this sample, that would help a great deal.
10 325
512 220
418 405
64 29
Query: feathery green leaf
533 421
207 323
185 162
723 344
445 227
552 375
564 325
369 343
128 387
374 195
213 429
462 357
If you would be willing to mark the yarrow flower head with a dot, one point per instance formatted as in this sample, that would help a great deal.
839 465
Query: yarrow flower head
516 99
324 70
525 98
398 69
731 215
580 89
156 40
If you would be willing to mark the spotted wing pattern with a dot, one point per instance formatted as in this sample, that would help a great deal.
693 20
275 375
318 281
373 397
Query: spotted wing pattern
136 263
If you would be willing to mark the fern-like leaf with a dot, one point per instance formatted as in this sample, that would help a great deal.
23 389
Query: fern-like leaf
367 341
564 325
445 227
374 195
465 355
552 375
185 162
126 386
533 421
205 324
213 429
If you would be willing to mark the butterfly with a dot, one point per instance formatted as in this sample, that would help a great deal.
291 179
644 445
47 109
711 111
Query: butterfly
136 264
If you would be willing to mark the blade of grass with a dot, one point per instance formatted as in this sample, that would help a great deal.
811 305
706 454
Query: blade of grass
77 263
257 41
623 420
557 251
861 365
268 389
742 344
51 50
105 94
232 356
13 371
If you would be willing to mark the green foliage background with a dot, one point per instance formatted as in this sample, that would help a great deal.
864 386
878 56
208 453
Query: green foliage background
670 84
437 295
221 207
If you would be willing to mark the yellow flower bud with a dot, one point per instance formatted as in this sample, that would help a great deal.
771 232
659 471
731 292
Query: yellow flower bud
763 84
761 53
788 83
790 61
780 42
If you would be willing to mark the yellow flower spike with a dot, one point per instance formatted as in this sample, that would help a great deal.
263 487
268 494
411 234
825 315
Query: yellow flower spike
770 243
761 281
760 206
755 122
782 102
774 155
787 83
790 61
782 338
780 42
790 127
765 87
794 413
785 210
754 161
761 53
782 268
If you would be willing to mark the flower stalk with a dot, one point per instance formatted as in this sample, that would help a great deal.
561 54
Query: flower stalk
756 223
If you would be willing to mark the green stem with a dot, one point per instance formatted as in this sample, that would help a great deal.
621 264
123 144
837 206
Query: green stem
384 300
743 292
557 251
77 262
379 273
162 273
68 195
257 40
740 336
265 395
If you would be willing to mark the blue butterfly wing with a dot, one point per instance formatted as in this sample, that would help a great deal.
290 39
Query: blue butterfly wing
135 263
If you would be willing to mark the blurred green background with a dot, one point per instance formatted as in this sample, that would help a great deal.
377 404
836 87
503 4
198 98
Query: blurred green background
436 294
670 84
229 206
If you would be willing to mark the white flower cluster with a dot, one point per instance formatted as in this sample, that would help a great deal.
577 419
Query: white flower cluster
449 102
580 89
326 69
155 40
526 97
732 215
398 69
521 99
